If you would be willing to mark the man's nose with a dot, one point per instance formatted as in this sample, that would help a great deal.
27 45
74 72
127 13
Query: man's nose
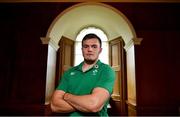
90 48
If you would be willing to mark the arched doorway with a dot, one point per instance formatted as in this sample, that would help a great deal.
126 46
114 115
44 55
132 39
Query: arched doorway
113 22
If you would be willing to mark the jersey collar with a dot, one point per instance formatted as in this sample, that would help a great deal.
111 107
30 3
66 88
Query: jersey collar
96 66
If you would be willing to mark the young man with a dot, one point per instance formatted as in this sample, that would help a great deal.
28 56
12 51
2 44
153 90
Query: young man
84 90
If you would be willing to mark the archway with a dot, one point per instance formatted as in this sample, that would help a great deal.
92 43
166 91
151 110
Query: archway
72 20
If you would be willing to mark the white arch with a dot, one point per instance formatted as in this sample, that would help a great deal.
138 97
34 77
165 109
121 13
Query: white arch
73 19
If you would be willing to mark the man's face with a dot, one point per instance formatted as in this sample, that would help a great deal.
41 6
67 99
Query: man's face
91 50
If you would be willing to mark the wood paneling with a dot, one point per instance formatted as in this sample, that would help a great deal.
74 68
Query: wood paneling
117 61
65 57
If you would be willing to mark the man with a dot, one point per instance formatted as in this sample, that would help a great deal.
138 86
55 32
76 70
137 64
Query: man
84 90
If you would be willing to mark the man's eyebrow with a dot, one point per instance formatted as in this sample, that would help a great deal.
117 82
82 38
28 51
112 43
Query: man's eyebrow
90 44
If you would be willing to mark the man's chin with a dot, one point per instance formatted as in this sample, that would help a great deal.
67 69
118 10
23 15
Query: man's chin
89 61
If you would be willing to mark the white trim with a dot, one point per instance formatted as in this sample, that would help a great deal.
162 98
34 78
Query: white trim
134 41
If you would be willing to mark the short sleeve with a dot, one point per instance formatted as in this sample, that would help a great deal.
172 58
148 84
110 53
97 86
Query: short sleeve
63 82
106 79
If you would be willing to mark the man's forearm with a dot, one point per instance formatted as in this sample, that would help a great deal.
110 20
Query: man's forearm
62 107
85 103
58 104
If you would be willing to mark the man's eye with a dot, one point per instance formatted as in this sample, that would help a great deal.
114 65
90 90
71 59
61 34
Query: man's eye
85 46
94 46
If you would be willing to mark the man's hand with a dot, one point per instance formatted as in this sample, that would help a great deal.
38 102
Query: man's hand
58 104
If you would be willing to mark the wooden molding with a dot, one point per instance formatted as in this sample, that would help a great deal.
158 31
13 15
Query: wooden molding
116 68
134 41
137 41
45 40
116 97
131 103
48 40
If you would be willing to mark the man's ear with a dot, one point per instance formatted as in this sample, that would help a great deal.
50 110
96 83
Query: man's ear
100 50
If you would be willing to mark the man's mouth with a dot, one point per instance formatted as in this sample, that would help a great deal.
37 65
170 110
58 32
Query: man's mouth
89 54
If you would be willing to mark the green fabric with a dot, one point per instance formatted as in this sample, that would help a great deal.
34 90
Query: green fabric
77 82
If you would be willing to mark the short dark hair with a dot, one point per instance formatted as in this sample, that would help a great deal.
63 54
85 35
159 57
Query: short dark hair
90 36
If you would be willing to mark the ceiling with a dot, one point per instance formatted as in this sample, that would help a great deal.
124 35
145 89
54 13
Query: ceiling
90 1
71 21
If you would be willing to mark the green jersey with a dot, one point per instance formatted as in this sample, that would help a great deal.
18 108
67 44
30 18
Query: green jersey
77 82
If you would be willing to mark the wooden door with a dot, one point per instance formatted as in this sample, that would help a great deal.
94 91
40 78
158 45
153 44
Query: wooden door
65 57
117 61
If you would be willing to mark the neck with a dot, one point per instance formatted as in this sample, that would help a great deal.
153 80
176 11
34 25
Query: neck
87 66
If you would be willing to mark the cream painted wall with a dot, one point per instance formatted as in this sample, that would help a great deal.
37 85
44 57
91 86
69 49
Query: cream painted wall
131 79
103 16
50 74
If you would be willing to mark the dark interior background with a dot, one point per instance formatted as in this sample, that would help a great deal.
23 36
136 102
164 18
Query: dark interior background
23 58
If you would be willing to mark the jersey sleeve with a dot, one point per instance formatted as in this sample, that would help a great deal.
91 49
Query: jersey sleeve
63 82
107 79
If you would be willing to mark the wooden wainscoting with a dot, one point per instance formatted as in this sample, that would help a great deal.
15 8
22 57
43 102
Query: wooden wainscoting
132 111
118 63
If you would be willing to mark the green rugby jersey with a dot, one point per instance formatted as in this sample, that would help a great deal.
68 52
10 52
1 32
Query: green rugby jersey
77 82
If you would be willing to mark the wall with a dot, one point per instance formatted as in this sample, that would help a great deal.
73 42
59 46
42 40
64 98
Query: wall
23 58
51 72
157 59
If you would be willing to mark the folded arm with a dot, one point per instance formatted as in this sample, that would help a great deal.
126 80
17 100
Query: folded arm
88 103
58 104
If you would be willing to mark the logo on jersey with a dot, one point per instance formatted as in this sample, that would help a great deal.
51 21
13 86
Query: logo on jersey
72 73
95 72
